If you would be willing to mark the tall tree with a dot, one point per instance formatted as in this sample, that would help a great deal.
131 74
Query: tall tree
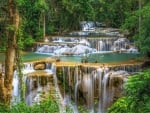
141 35
6 80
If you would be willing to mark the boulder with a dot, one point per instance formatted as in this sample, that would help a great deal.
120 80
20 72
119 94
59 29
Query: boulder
40 66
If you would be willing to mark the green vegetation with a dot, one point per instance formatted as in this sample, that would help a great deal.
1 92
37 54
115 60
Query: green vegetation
137 95
137 23
38 18
47 106
51 17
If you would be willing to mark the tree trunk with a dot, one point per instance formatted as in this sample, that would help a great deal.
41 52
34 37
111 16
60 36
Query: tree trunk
44 25
6 81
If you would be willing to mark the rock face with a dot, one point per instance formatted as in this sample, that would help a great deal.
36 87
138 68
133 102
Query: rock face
40 66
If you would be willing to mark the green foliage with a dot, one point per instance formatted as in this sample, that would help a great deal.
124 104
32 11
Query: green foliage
144 36
140 32
112 12
120 106
137 97
47 106
32 17
29 41
66 14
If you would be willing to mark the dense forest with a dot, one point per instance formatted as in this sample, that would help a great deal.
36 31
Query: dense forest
50 17
23 22
41 18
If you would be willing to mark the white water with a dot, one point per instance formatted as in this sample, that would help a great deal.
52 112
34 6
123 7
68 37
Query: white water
78 82
105 93
86 80
105 90
28 68
16 91
83 46
99 73
30 93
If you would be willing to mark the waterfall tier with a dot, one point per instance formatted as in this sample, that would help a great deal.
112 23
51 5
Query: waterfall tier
102 84
83 45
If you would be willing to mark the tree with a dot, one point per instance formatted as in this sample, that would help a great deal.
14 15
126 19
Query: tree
113 12
66 15
32 14
142 35
6 80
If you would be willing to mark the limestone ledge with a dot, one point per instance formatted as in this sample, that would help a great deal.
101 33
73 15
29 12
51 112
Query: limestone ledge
40 73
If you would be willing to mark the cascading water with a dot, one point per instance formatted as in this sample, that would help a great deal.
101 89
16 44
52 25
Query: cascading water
29 92
104 85
106 88
97 84
16 91
78 82
100 76
28 68
1 67
105 92
58 93
89 45
36 84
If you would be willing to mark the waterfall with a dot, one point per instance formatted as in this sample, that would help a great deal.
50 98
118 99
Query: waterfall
2 68
105 44
110 86
100 74
88 90
29 91
77 76
87 83
76 84
106 83
28 68
100 44
76 95
48 65
58 93
15 91
91 107
105 92
35 85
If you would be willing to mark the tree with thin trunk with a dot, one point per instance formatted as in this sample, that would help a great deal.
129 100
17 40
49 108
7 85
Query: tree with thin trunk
6 78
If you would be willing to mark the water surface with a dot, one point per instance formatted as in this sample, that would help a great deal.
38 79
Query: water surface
96 57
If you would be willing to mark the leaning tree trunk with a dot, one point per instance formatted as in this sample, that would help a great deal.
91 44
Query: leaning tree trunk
6 80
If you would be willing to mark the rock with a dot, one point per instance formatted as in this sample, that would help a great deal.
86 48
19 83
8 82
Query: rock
40 66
